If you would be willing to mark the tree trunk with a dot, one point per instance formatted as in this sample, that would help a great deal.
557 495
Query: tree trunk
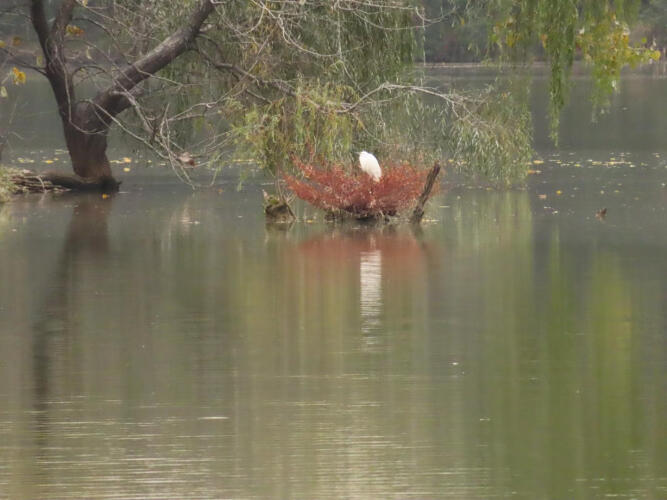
88 153
86 139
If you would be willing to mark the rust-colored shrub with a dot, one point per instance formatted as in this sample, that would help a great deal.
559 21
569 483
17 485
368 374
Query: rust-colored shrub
333 187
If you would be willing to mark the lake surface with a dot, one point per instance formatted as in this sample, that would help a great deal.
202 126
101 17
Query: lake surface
164 343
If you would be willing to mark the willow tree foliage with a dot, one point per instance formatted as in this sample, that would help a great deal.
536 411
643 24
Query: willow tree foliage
597 31
291 78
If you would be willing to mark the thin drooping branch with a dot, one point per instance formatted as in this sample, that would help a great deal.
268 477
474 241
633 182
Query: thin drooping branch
114 99
22 59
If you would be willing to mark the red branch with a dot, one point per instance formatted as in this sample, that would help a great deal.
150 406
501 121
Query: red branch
333 187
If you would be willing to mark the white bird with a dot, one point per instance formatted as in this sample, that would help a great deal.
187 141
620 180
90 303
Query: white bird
369 164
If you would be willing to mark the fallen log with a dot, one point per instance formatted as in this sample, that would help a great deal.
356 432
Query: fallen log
76 183
27 181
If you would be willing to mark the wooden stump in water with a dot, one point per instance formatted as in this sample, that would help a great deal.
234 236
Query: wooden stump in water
277 210
418 212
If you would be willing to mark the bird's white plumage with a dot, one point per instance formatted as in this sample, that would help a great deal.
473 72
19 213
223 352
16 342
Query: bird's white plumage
369 164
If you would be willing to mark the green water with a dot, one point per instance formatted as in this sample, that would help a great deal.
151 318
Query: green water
167 344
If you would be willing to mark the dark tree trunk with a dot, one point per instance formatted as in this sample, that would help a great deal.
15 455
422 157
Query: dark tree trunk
88 153
86 139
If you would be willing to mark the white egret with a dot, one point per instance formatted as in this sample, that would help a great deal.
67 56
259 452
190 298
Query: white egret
369 164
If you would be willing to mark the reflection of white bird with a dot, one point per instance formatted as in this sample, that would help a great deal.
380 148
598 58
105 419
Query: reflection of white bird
370 165
370 273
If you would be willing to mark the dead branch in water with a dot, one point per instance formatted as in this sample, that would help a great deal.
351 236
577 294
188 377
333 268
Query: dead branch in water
418 212
27 181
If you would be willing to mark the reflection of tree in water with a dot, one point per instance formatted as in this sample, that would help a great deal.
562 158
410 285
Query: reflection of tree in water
56 331
551 344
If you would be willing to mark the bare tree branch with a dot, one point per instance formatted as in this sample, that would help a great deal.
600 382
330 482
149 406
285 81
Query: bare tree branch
62 19
23 59
114 99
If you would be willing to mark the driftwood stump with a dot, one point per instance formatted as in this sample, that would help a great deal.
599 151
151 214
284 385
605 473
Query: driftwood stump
277 210
418 212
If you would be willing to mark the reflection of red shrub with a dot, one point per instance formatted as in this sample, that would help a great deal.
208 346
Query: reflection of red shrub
338 254
342 249
332 187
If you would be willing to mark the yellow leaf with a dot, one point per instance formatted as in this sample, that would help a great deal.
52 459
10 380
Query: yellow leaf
74 30
105 196
127 160
127 169
19 76
538 162
2 44
48 161
3 92
559 192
